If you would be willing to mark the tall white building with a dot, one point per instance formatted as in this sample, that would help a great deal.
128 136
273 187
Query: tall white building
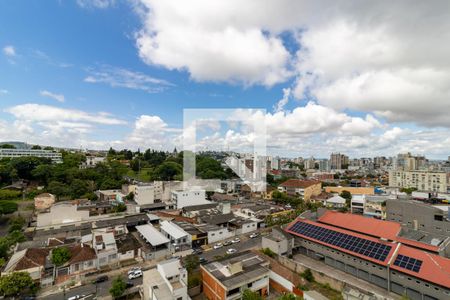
148 194
421 180
189 198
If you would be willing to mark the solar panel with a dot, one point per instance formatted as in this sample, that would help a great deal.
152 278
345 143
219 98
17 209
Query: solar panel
408 263
358 245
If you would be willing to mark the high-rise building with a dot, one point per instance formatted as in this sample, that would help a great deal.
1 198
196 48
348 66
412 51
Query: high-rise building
421 180
338 161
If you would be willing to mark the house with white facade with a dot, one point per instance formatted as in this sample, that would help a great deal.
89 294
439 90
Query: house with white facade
168 281
179 238
189 198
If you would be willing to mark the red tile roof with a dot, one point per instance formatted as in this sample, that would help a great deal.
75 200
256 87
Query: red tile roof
435 268
297 183
81 253
361 224
34 257
371 226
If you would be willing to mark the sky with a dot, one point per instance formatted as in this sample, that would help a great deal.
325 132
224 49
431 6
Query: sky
365 78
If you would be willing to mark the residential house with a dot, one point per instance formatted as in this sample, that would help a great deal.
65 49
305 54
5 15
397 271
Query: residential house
83 259
128 247
336 202
61 213
303 188
189 198
31 260
278 241
168 281
156 245
227 279
105 246
179 239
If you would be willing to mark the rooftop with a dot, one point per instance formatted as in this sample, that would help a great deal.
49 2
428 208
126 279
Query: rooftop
238 269
152 235
297 183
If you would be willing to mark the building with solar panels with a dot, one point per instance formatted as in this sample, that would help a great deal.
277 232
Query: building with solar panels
373 250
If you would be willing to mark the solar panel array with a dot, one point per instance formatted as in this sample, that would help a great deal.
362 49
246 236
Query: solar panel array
348 242
408 263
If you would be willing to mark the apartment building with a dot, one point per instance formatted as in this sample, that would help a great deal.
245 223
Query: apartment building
55 157
421 180
148 194
338 161
227 279
370 249
189 198
168 281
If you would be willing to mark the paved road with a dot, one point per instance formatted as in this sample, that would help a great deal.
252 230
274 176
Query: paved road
103 288
89 290
243 245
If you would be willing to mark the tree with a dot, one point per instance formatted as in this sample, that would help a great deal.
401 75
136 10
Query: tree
168 170
119 208
250 295
58 188
36 147
14 283
7 146
289 296
7 207
347 196
78 188
118 287
308 275
191 262
42 173
60 256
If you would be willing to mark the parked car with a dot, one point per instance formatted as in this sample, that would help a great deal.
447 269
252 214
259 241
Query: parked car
129 284
235 240
197 251
254 235
102 278
231 251
227 243
202 260
135 274
218 245
76 297
132 270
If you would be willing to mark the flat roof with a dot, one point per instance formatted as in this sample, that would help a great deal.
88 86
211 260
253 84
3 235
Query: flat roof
152 235
173 230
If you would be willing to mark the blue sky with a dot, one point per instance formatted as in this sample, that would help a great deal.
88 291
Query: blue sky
140 63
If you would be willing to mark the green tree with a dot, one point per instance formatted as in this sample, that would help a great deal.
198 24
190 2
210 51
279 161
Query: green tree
289 296
7 207
347 196
7 146
308 275
168 170
250 295
42 173
14 283
58 188
191 262
16 224
118 287
78 188
36 147
60 256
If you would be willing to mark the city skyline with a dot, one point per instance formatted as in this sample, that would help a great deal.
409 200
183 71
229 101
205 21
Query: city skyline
352 79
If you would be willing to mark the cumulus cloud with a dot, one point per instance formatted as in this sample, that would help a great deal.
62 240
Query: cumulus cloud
9 51
57 97
370 56
120 77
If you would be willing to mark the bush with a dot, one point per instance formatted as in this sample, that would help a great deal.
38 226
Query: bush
7 207
10 195
60 256
269 252
193 280
308 275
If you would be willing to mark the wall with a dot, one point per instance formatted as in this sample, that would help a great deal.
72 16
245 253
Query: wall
211 288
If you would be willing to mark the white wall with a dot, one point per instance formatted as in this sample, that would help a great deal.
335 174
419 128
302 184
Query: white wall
188 198
219 235
144 194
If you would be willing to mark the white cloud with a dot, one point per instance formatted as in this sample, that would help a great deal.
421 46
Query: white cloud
191 36
369 56
120 77
31 112
102 4
283 101
9 51
57 97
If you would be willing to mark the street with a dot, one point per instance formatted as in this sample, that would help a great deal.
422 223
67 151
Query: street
89 290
